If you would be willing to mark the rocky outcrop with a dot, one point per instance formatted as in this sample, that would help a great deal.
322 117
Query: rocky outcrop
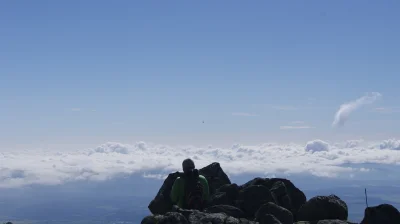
227 209
382 214
283 192
214 174
259 201
169 217
323 207
161 204
182 216
269 219
251 198
280 213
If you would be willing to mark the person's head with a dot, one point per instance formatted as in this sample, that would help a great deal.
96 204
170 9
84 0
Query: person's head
188 165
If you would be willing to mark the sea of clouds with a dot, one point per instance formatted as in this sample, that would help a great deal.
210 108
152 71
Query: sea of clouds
317 158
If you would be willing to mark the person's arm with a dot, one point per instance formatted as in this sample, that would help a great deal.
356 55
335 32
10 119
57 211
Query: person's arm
176 191
206 189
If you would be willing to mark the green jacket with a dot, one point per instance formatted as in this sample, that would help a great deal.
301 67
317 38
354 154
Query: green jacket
178 190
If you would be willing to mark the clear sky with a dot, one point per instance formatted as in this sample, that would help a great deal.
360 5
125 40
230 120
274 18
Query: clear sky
81 73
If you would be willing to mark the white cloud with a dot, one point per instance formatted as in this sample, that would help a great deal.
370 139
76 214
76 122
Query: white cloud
354 143
25 167
346 109
155 176
390 144
244 114
294 127
317 146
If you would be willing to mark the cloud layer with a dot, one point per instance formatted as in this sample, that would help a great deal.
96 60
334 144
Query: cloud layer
346 109
319 158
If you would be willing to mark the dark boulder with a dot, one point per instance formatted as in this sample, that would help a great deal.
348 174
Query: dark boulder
215 176
185 216
281 197
294 197
255 181
162 204
232 220
322 208
381 214
251 198
269 219
246 221
220 198
232 190
227 209
282 214
284 192
149 220
200 217
168 218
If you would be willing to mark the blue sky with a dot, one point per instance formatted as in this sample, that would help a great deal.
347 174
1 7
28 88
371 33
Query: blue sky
81 73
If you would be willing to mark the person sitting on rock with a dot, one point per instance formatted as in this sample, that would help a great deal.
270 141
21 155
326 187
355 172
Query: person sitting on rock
191 190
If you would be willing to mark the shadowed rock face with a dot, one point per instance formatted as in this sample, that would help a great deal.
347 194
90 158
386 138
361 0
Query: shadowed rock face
283 192
161 204
382 214
280 213
215 176
227 209
252 197
259 201
323 207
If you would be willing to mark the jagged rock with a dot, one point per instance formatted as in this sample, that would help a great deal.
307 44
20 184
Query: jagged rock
184 216
162 204
251 198
381 214
284 192
245 221
292 200
206 218
227 209
168 218
322 208
269 219
281 197
282 214
215 176
149 220
232 220
255 181
232 190
220 198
